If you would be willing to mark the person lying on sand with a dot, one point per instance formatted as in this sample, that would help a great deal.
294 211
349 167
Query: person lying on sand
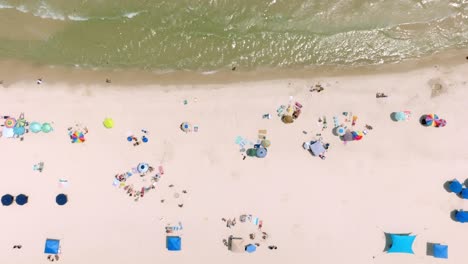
318 88
380 95
369 127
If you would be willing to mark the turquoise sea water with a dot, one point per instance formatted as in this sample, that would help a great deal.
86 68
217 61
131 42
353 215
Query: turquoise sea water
215 34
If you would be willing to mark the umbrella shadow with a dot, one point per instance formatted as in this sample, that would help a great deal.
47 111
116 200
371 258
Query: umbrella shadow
388 240
447 186
430 249
422 120
393 117
465 182
452 215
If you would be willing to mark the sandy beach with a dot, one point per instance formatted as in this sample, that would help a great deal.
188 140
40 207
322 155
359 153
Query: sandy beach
315 211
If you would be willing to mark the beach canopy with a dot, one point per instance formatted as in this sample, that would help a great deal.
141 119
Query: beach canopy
52 246
236 244
440 251
173 243
464 193
250 248
455 186
21 199
61 199
261 152
35 127
108 122
7 199
461 216
401 244
317 148
46 128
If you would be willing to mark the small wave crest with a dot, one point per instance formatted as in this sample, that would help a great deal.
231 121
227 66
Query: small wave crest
46 12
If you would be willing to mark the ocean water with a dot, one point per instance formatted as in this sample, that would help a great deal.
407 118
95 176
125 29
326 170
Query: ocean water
217 34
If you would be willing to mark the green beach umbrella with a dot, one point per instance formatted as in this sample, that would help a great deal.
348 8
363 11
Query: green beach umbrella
108 123
35 127
46 128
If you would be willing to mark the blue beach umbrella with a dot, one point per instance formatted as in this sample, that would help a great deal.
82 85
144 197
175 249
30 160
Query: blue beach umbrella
464 193
7 199
399 116
19 130
21 199
61 199
261 152
35 127
250 248
143 167
455 186
461 216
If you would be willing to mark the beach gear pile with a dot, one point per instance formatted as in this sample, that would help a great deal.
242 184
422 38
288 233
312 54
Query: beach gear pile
143 169
290 112
343 131
17 127
77 133
136 140
258 149
432 120
248 234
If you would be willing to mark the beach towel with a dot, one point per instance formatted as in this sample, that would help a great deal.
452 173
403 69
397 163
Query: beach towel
336 122
115 182
161 170
354 120
256 220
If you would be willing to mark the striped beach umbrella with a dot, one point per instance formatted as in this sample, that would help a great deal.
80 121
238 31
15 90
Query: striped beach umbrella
10 122
357 135
430 119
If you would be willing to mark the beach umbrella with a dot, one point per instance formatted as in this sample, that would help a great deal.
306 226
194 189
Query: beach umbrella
7 199
357 135
261 152
340 131
77 137
21 199
61 199
399 116
251 152
46 128
108 123
266 143
10 122
129 138
185 126
464 193
19 130
35 127
21 122
455 186
440 123
287 119
144 139
250 248
461 216
143 167
430 119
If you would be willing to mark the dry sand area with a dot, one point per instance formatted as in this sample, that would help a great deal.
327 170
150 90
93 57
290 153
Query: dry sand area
316 211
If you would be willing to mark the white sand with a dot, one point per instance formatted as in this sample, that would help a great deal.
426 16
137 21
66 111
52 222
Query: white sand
331 211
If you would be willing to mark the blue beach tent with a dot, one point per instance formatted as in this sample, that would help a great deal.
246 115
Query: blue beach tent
21 199
464 193
61 199
402 244
7 199
173 243
440 251
52 246
455 186
461 216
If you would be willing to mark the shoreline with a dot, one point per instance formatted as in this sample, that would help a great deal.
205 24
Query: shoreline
15 71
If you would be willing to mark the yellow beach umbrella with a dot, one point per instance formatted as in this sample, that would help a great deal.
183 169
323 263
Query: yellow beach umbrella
108 123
